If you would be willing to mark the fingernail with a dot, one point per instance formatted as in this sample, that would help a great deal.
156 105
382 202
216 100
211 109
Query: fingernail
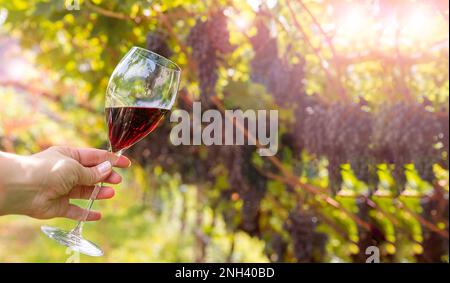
104 167
126 159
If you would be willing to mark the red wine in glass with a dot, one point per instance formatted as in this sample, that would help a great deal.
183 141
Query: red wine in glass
128 125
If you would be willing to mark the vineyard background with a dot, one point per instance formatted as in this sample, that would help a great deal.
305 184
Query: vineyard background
363 93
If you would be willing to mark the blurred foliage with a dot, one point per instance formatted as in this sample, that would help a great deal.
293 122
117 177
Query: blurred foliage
162 215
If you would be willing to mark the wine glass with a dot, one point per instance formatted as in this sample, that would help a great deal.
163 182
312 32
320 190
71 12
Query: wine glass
141 90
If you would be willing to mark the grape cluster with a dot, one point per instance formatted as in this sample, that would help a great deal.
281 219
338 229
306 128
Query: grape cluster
309 116
406 133
284 81
206 59
340 132
276 247
348 134
209 40
245 180
218 33
301 226
266 52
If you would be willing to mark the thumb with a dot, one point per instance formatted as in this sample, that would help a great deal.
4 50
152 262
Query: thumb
92 175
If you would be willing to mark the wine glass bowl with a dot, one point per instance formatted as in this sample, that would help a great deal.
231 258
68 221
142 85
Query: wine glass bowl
143 79
141 90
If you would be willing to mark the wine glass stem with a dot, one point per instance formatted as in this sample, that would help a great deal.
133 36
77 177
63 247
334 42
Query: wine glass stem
78 229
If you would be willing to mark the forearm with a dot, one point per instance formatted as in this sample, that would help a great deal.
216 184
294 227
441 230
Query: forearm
16 182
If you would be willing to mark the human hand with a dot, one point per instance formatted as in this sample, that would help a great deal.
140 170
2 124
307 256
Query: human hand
42 184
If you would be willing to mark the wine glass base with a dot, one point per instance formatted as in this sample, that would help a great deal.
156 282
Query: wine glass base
73 241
